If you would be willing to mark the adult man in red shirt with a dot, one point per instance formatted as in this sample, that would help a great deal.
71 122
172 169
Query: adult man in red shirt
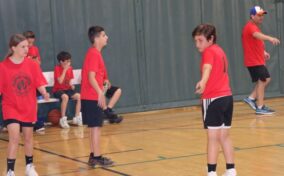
255 57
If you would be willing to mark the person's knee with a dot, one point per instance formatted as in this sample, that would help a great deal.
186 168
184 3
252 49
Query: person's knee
77 96
267 80
64 98
118 91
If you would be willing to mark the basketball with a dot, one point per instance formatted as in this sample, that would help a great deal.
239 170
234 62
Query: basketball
54 116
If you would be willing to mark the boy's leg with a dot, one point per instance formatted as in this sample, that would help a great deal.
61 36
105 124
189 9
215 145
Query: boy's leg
113 100
113 94
77 97
14 135
64 102
93 117
96 134
78 117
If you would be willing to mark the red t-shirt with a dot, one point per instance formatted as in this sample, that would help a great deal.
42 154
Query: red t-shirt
93 63
65 85
253 48
18 83
218 84
34 52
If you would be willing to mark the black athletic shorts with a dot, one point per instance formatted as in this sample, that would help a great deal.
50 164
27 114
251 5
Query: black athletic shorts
22 124
217 112
92 114
110 92
59 93
259 72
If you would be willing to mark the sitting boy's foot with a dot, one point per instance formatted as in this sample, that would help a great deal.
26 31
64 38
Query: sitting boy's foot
63 122
78 120
115 119
112 117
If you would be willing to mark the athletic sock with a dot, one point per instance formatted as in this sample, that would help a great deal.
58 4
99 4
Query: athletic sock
10 164
211 167
251 98
29 160
230 165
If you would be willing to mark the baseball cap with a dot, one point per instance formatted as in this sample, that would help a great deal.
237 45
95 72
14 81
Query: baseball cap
256 10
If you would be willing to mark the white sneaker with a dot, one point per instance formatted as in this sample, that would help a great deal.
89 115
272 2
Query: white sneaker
211 173
63 122
30 170
10 173
78 120
230 172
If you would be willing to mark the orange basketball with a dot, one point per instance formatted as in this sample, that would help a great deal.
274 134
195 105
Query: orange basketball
54 116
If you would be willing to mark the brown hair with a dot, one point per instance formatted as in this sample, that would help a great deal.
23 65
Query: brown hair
14 41
93 32
207 30
29 34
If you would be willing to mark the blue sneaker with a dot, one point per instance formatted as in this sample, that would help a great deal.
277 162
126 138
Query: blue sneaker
251 103
264 110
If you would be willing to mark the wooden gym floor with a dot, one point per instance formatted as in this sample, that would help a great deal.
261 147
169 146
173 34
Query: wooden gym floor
160 143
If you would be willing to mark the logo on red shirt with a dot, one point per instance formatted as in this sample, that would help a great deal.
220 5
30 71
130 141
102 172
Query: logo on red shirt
21 84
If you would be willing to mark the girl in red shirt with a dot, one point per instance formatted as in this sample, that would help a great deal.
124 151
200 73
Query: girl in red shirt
19 79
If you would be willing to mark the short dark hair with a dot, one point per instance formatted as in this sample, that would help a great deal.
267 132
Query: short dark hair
29 34
208 30
93 32
63 56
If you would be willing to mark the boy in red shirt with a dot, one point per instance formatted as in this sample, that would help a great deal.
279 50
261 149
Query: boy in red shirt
255 57
19 79
64 90
92 93
217 99
33 52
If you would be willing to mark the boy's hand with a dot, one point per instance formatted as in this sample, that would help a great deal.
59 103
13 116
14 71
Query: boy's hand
102 100
199 88
66 66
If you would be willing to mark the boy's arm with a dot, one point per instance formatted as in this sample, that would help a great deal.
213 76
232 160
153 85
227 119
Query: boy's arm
200 86
262 36
95 85
60 79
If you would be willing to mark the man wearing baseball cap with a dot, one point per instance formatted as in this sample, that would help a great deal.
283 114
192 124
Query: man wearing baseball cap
255 57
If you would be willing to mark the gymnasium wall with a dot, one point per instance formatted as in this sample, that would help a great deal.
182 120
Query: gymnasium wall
150 54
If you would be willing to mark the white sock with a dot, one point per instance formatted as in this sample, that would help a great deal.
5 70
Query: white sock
251 98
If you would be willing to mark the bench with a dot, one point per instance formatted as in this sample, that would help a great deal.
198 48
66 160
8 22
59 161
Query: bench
49 76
